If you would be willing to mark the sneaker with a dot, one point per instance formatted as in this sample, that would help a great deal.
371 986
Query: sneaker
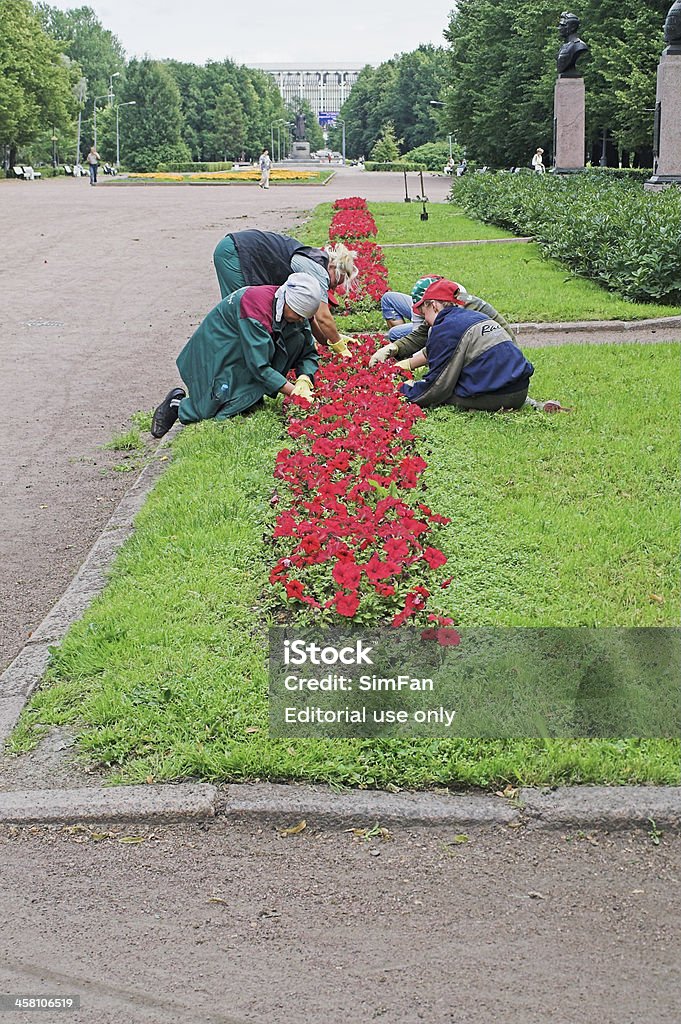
166 413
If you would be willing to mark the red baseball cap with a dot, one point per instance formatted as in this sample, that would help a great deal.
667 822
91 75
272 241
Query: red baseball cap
443 289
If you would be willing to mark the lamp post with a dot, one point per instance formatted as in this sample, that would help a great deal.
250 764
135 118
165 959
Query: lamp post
341 121
278 123
94 110
116 74
449 140
130 103
81 95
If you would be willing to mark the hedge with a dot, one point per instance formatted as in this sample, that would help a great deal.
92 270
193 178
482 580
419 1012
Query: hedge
397 165
190 166
606 228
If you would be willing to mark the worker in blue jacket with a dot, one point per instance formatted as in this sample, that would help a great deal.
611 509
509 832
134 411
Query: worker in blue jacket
243 350
473 362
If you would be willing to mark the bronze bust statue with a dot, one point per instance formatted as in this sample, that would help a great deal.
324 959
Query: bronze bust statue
672 28
573 47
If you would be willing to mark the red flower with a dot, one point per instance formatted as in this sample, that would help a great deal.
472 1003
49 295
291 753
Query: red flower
347 573
346 604
434 557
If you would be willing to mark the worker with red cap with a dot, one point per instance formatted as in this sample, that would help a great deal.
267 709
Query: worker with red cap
408 333
473 362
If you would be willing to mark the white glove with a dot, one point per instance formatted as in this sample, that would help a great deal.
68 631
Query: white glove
383 353
303 388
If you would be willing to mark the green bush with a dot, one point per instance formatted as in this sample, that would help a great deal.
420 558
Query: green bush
433 154
190 166
396 165
606 228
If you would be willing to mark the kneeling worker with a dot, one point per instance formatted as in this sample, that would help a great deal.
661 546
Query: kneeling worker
242 351
473 362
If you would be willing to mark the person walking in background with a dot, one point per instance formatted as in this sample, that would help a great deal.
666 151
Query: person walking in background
538 162
93 163
265 164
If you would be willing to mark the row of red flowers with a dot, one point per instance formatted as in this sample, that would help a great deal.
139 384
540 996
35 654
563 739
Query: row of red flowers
353 540
353 223
348 224
353 544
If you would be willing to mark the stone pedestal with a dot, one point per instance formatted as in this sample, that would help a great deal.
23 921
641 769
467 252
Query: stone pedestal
300 151
667 136
569 124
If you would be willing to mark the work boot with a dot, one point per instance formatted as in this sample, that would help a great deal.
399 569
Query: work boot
166 413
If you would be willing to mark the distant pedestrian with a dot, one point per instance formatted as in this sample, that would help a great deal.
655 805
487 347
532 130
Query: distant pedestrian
265 164
462 168
538 162
93 163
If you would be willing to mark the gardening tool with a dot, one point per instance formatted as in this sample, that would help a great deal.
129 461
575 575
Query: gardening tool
550 406
406 190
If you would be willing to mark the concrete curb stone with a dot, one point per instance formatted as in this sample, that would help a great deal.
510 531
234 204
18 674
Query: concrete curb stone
275 805
143 804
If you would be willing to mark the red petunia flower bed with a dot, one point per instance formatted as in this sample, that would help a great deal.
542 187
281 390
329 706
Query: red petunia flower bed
353 224
355 541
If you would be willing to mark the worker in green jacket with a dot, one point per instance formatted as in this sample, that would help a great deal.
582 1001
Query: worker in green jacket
243 350
402 348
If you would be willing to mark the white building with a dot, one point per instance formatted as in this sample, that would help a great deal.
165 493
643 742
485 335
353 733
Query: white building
325 88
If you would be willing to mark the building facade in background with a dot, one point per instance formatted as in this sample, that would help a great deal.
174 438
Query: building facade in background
325 88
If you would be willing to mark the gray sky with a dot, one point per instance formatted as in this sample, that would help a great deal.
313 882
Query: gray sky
366 31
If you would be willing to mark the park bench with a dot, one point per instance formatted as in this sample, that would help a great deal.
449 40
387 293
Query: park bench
26 172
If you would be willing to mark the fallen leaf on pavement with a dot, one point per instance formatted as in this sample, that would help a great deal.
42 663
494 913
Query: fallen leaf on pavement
294 829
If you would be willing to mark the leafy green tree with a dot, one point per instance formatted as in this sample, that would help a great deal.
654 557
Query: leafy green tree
386 149
502 66
35 81
399 90
97 51
420 76
230 124
154 124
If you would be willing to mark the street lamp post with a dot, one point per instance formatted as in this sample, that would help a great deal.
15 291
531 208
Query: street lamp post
130 103
449 140
278 123
94 110
116 74
341 121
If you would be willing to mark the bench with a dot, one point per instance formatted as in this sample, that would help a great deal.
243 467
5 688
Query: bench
26 172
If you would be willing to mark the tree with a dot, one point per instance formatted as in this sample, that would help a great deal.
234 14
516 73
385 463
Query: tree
230 124
97 51
399 90
386 149
154 124
503 68
35 82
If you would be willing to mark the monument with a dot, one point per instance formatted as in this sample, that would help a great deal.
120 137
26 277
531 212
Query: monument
569 121
301 148
667 127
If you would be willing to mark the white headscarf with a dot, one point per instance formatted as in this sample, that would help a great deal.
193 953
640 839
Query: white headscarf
302 292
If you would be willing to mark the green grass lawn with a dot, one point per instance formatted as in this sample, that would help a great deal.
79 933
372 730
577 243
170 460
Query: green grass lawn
515 278
562 520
